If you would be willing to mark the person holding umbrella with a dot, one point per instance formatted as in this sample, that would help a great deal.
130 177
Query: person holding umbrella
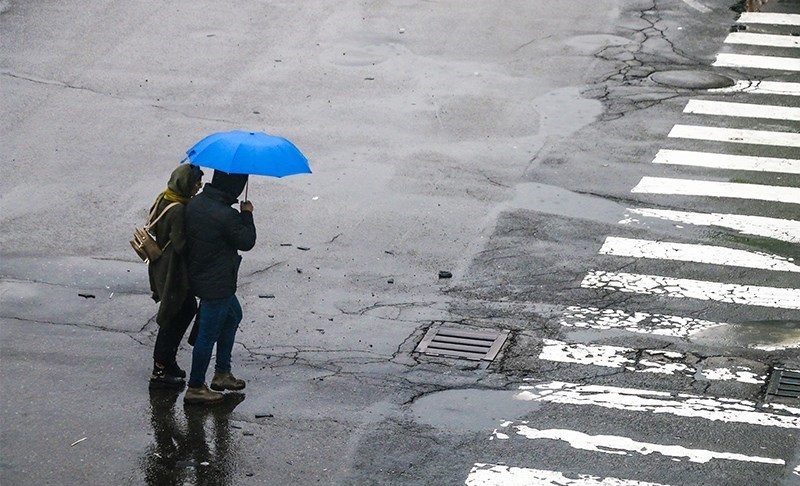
215 234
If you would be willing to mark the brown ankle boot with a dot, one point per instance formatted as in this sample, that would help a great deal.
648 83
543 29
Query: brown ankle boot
201 394
226 381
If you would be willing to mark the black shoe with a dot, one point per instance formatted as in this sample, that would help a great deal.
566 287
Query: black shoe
175 370
160 379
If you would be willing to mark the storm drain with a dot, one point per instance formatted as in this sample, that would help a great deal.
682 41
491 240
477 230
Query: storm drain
458 343
784 383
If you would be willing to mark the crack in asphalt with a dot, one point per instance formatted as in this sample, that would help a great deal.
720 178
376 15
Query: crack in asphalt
523 46
635 65
378 305
65 85
260 271
52 82
79 325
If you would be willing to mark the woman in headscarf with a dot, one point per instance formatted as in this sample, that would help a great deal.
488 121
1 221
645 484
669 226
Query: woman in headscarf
169 276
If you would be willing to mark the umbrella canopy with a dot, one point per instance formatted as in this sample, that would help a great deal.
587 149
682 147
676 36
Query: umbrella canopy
255 153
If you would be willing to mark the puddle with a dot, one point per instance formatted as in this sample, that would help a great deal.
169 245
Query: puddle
768 335
181 440
470 410
556 200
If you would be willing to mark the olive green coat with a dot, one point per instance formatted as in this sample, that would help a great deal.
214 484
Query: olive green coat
169 275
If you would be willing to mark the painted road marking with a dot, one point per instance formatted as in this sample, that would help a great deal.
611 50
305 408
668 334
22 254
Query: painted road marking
727 161
688 187
637 322
748 110
783 298
780 229
684 252
734 135
657 361
625 446
769 18
766 40
660 402
645 323
500 475
757 62
761 87
697 6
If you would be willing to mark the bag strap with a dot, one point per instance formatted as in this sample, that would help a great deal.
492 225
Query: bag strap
151 222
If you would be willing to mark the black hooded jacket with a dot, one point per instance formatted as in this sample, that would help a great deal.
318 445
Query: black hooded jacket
215 232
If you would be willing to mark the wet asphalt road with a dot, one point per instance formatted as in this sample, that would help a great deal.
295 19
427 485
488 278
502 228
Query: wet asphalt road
498 141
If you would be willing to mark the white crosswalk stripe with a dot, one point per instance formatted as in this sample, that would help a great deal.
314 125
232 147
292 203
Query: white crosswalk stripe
636 322
715 255
727 161
783 298
757 62
734 135
501 475
657 361
646 323
613 444
767 40
769 18
761 88
682 404
737 190
748 110
780 229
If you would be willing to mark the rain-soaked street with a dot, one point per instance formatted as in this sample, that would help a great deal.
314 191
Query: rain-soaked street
543 242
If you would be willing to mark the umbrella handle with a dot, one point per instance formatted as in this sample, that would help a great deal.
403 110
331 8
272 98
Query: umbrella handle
246 185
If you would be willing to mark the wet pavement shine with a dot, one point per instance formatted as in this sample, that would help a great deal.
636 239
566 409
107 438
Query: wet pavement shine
470 160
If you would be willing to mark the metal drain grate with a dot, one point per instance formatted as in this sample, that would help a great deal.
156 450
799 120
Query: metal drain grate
475 345
784 383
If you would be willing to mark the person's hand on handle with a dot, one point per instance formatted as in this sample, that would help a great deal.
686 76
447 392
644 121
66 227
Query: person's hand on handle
246 206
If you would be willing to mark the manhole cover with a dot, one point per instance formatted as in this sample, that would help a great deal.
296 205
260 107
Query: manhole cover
474 345
692 79
784 383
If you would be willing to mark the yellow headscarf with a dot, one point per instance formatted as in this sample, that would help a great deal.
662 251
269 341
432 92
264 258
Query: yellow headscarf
182 181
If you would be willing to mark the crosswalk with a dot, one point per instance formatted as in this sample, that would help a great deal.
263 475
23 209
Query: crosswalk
714 149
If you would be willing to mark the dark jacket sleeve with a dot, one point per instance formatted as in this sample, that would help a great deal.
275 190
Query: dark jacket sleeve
241 231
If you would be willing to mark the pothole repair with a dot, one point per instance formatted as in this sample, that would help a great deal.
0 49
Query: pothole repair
685 79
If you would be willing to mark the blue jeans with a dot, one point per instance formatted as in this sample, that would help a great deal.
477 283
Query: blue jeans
217 322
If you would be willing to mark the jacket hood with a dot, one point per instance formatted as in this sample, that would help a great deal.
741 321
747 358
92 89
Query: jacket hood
183 180
231 184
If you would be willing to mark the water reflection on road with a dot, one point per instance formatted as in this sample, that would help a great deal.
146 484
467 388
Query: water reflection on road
192 444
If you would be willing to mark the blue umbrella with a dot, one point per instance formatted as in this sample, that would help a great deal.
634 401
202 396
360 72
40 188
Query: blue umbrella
256 153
